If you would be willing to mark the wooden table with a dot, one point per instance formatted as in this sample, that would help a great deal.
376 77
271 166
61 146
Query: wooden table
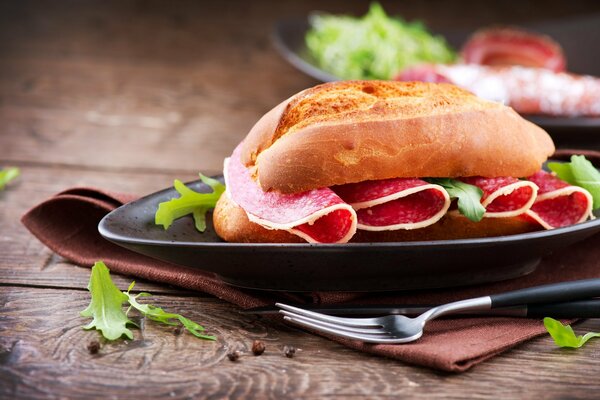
130 95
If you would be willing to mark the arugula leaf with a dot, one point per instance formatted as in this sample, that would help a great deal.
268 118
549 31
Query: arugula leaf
7 175
106 308
159 315
106 305
469 197
580 172
190 202
564 336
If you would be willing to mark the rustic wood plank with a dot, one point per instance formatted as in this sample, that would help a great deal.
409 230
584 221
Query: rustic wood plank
43 354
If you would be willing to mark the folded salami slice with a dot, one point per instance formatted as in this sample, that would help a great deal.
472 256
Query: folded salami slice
559 204
392 204
318 216
504 197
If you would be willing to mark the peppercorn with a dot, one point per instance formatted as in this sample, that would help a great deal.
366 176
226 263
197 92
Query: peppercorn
289 351
93 347
178 330
233 355
258 347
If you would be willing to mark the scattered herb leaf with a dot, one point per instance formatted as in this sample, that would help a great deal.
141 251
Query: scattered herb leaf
374 46
579 172
469 197
106 308
190 202
564 336
7 175
159 315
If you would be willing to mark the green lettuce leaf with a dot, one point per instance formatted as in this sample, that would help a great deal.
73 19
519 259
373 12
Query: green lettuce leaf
106 307
579 172
564 336
374 46
469 197
190 202
7 175
159 315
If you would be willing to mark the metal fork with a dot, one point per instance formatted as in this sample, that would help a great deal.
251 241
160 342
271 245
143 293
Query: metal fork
401 329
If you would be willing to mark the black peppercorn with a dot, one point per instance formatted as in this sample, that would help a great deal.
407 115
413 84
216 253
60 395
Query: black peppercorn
233 355
178 330
289 351
93 347
258 347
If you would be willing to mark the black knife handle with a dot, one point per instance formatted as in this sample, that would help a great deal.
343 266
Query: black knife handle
553 293
572 309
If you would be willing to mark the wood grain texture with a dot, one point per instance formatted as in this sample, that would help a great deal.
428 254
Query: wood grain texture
128 95
47 357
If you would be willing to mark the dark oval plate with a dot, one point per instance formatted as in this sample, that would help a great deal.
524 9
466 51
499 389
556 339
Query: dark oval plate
575 34
339 267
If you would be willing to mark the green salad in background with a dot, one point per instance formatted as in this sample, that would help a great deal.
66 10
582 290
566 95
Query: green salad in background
374 46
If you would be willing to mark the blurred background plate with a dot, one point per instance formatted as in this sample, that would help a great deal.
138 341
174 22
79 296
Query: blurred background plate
579 37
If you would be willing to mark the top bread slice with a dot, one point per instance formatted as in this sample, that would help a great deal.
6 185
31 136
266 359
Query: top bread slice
352 131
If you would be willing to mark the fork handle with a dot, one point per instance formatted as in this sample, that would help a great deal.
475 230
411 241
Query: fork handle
571 309
553 293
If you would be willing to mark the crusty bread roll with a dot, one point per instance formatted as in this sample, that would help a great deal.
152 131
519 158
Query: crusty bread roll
345 132
232 225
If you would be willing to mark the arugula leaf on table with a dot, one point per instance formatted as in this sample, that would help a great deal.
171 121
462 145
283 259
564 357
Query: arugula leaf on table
7 175
159 315
579 172
190 202
106 307
564 336
469 197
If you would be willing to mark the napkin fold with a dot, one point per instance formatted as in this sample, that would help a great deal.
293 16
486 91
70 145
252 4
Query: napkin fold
67 223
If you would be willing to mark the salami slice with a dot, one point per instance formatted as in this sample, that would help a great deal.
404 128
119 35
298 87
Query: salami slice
392 204
559 204
318 216
504 197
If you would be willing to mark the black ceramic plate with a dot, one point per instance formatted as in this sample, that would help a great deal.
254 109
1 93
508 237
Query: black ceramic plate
577 36
347 267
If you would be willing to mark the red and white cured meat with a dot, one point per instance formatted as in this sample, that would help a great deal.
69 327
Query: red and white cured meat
559 204
332 215
504 197
318 216
527 90
391 204
513 46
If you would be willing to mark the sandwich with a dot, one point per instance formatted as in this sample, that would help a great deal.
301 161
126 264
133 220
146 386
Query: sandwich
372 161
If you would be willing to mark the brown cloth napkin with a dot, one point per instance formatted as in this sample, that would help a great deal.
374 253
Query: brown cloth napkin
67 223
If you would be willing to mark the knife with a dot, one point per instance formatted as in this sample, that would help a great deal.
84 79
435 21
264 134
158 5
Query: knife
573 309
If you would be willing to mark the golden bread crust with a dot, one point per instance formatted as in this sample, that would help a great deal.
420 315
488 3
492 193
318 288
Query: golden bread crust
232 225
344 132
